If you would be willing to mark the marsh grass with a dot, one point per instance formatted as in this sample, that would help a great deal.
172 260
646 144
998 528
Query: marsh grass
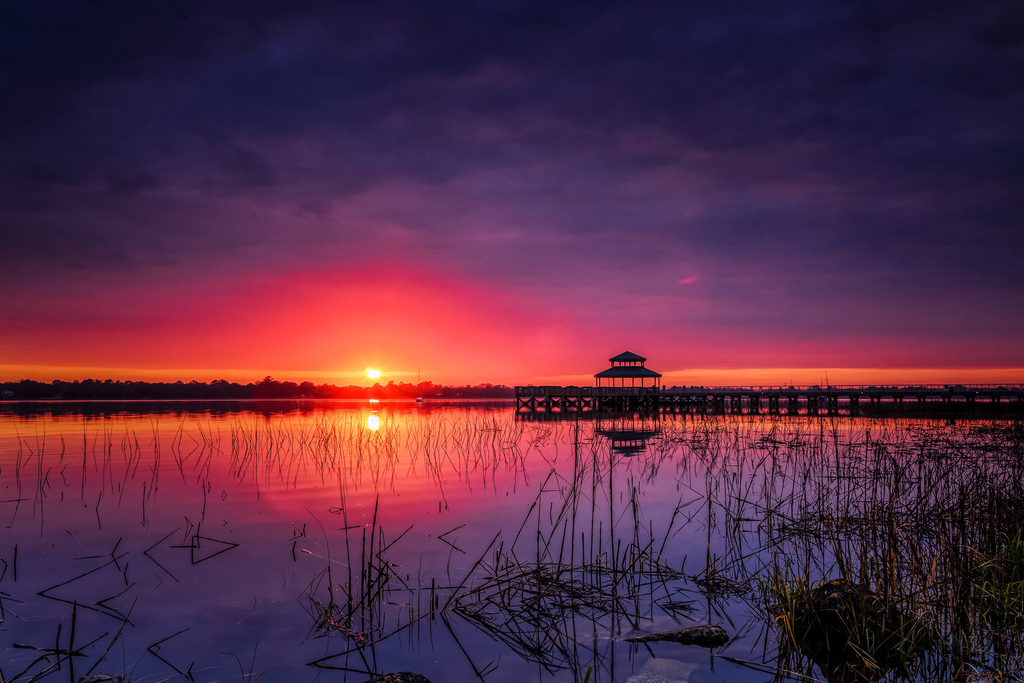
844 628
927 526
538 607
923 519
581 565
921 524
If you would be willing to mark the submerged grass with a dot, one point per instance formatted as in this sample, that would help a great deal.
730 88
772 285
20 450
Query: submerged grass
876 548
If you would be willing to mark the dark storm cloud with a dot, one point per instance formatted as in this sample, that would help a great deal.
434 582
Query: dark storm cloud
797 148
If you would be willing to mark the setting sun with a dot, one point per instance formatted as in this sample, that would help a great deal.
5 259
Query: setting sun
373 374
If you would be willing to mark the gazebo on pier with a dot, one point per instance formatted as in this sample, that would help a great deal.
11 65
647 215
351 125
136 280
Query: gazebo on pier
628 366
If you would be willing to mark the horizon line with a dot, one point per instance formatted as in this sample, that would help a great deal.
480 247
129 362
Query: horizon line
10 373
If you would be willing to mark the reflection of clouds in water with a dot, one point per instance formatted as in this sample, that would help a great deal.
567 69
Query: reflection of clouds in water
662 670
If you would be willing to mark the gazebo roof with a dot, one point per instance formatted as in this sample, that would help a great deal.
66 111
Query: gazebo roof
627 371
627 357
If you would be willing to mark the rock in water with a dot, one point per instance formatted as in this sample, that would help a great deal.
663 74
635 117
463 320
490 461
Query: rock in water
707 635
662 670
850 631
400 677
841 606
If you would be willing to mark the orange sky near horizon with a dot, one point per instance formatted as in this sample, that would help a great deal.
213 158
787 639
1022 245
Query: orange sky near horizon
689 377
330 327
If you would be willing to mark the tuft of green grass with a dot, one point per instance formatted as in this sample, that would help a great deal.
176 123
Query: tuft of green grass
844 628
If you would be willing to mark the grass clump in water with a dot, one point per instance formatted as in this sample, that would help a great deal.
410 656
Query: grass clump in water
928 537
846 629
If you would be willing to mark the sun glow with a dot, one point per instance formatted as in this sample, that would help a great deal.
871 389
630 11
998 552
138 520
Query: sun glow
372 374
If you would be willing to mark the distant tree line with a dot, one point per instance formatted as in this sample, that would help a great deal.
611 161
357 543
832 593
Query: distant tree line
268 387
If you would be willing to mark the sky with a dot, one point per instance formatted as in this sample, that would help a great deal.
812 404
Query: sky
512 192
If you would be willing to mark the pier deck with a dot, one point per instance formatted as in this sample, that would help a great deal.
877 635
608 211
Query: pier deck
792 400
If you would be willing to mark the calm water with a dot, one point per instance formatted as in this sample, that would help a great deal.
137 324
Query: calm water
331 541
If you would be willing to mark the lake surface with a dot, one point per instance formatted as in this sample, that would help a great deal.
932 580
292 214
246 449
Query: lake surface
332 541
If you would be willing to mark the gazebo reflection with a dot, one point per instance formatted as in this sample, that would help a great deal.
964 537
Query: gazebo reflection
628 433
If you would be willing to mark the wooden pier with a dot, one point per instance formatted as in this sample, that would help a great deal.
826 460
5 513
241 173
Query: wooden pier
810 400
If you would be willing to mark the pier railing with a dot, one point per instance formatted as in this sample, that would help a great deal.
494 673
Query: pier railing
773 398
584 392
845 388
774 388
